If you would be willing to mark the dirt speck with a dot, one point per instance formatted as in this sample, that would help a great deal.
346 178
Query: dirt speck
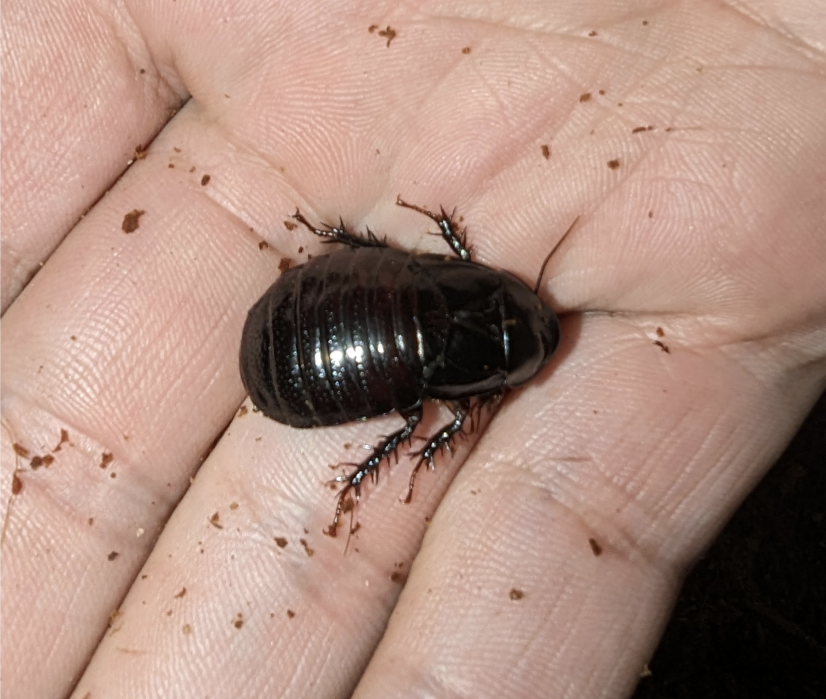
280 541
186 629
664 347
466 50
140 152
307 549
205 180
106 459
290 613
214 520
20 450
131 221
389 33
285 264
290 226
38 461
516 593
64 438
112 555
592 33
595 547
238 622
640 129
243 410
546 151
263 245
181 593
16 484
614 164
585 97
660 332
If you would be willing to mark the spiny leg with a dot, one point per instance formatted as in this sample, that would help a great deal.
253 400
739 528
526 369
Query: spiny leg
440 440
339 234
384 450
454 237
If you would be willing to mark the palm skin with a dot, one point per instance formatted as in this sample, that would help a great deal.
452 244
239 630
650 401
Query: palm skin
705 233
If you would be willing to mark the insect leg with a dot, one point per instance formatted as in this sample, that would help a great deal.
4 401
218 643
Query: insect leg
454 237
440 440
384 450
339 234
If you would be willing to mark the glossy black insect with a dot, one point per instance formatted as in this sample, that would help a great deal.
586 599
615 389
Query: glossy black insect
370 329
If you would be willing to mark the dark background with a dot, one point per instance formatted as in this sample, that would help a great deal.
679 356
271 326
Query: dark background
751 618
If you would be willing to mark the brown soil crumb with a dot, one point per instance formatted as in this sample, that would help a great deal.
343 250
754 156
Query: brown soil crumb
614 164
20 450
280 541
38 461
516 594
546 151
389 33
131 221
595 547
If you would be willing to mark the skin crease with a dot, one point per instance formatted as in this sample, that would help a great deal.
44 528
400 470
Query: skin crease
122 580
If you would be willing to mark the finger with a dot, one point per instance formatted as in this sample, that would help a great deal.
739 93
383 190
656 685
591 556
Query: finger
127 344
71 70
244 564
554 558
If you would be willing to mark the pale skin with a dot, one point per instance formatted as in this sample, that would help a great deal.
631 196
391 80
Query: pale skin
710 226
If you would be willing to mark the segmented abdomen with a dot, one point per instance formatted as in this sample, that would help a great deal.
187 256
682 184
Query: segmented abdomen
339 338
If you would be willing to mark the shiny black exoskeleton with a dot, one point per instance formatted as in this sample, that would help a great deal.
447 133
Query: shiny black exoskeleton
369 329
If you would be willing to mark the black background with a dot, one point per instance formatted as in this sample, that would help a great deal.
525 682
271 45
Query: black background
751 618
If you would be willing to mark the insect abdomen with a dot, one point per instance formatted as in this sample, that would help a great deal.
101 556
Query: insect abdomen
336 339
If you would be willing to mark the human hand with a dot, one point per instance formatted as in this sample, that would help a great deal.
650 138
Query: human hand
708 226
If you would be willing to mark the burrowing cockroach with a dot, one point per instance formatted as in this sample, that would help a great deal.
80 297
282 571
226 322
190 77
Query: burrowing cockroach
370 329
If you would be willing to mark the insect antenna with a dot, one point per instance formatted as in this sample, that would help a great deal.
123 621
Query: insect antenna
550 254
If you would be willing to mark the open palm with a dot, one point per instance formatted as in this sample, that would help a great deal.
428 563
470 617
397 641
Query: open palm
689 139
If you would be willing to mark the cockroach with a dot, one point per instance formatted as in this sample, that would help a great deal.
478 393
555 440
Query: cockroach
371 329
